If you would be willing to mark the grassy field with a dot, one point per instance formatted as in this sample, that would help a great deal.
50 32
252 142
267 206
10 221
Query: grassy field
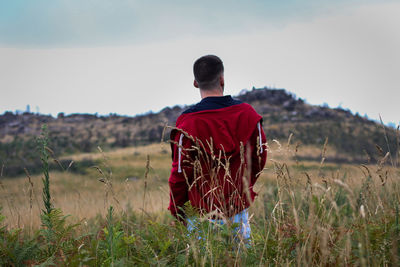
84 196
306 214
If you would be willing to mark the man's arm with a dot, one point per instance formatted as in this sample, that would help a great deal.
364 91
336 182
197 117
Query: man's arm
180 172
259 153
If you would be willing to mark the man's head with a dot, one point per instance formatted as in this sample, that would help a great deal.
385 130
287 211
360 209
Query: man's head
209 73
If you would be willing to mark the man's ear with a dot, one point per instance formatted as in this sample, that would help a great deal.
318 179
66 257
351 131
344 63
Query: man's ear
195 84
222 81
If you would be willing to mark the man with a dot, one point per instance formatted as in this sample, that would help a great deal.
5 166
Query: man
218 151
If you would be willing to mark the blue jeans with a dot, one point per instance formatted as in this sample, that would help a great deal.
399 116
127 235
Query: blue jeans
242 219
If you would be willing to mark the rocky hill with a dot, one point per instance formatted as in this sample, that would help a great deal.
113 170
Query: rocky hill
354 138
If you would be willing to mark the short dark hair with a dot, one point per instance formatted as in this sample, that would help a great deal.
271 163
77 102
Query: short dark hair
207 71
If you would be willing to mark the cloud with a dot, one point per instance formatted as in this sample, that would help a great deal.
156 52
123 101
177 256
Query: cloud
349 58
73 23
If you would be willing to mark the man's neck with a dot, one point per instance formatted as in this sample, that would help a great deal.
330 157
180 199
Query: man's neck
208 93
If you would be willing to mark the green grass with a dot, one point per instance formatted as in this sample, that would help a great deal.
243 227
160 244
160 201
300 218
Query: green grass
293 223
306 229
305 215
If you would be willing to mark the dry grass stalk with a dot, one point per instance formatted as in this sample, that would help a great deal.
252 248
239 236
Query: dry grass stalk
397 162
323 153
1 170
30 199
387 140
106 179
69 165
145 183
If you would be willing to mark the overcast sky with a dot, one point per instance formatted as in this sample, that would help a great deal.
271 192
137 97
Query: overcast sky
130 57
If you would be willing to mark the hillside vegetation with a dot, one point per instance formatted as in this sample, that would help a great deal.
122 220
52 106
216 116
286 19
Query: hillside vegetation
352 138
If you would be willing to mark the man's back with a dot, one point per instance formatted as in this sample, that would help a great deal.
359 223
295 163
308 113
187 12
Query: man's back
217 154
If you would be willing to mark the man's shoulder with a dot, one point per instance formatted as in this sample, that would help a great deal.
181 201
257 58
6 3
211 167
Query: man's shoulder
191 109
193 114
213 103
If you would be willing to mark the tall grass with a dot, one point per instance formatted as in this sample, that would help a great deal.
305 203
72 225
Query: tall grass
325 217
44 157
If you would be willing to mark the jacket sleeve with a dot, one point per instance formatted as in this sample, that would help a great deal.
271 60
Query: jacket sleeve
181 174
258 153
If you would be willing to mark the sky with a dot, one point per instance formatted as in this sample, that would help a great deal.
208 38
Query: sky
134 56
